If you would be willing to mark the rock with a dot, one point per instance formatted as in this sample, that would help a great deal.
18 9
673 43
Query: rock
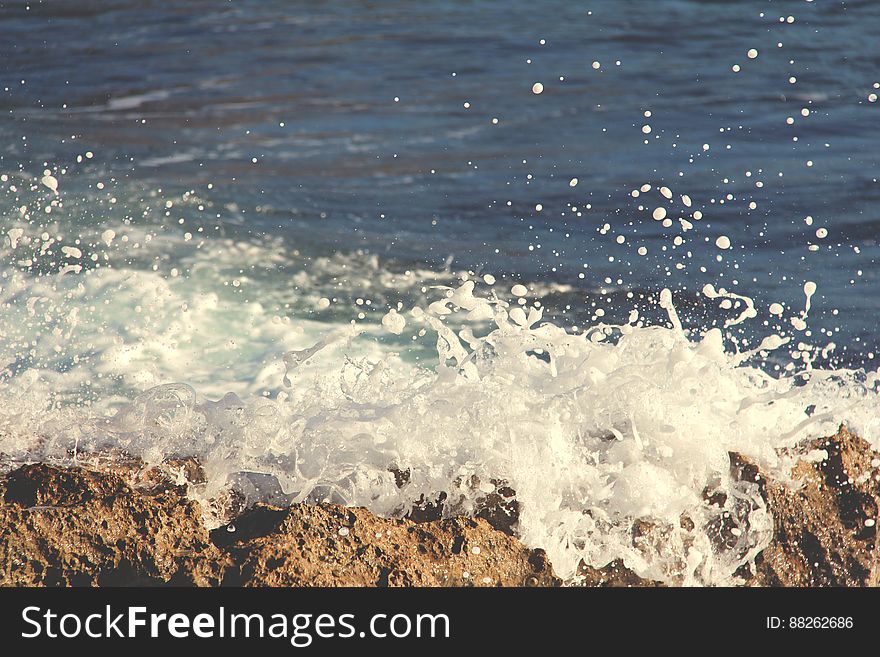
613 575
825 531
330 545
70 526
42 486
135 525
500 508
63 527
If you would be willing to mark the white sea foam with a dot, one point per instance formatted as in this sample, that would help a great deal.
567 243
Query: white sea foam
601 434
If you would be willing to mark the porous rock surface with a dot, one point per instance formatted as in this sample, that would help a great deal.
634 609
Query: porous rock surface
328 545
825 529
62 527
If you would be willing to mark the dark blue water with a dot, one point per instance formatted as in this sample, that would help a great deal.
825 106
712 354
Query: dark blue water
355 114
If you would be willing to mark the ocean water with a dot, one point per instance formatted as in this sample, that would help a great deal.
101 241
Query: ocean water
581 248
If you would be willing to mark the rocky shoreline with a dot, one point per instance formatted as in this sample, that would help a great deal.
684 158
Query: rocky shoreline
78 527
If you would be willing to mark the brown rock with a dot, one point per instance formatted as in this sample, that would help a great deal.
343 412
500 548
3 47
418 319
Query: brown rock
134 526
78 527
612 575
820 533
72 527
330 545
499 508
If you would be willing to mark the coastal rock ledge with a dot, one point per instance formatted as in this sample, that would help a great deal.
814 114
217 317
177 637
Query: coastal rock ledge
77 527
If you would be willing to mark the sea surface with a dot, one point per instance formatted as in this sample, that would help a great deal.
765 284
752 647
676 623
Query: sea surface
226 223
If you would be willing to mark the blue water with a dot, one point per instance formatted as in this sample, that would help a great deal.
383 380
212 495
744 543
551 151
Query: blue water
355 114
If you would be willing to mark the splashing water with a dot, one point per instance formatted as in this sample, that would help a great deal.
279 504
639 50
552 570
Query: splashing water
613 439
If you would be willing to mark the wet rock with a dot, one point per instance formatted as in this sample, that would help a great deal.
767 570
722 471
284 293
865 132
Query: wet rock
825 531
613 575
42 486
330 545
499 508
75 527
72 527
